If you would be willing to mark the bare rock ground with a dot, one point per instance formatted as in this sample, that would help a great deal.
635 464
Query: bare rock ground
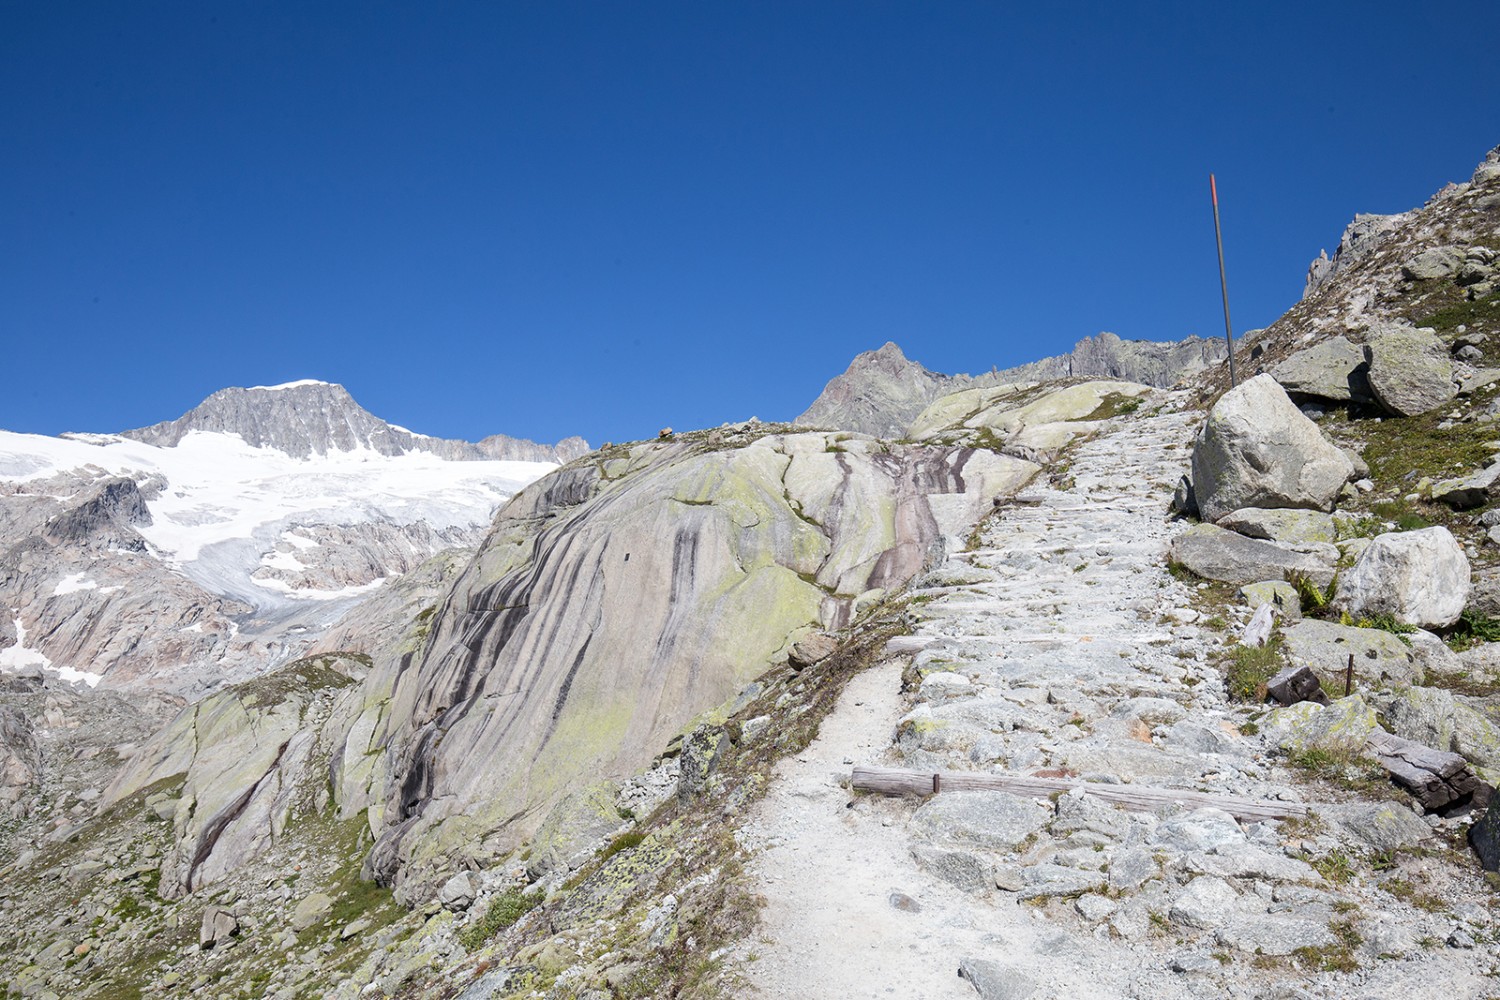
1063 645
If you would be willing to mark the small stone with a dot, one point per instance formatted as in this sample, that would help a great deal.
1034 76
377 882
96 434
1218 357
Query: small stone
993 981
905 903
311 909
1093 907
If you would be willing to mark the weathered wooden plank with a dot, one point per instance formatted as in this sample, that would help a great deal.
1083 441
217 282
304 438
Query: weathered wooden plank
1435 777
902 781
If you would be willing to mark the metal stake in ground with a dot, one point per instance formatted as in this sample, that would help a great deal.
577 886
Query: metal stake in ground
1213 189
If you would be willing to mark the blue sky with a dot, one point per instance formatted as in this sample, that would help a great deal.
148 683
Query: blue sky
552 218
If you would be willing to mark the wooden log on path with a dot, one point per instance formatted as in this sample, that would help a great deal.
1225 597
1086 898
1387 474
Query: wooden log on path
1437 778
903 781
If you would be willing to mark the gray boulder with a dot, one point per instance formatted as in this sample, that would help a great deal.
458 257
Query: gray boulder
1379 826
218 926
1333 369
1344 725
1292 528
1468 492
1256 449
1216 554
1434 262
993 981
992 820
1484 836
458 892
1419 577
1410 371
1379 657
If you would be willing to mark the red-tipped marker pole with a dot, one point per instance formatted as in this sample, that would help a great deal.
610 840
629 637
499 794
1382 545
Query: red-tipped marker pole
1213 189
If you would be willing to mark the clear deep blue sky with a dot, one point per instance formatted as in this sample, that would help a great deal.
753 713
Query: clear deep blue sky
554 218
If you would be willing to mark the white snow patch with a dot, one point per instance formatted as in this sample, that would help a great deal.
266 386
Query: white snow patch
290 385
17 656
298 541
276 559
313 594
73 584
195 627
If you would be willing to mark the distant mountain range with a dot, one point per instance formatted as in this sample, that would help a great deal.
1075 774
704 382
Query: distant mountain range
310 417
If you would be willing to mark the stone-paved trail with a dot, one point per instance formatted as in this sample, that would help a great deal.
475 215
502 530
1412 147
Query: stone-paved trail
1063 645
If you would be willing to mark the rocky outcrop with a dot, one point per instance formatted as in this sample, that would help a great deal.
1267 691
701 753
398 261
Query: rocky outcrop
615 601
883 393
1025 419
244 758
313 418
20 762
879 394
1256 449
1160 364
1418 577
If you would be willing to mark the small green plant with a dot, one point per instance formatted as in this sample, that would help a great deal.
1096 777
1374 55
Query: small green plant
1382 620
1248 668
1314 598
1336 866
626 841
1338 956
1474 627
505 909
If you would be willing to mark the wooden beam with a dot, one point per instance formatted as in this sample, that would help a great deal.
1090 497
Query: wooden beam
903 781
1437 778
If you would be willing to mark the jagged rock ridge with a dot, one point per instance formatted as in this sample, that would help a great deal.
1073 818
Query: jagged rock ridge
313 418
883 391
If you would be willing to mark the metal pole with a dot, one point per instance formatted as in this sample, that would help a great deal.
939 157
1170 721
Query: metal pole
1223 282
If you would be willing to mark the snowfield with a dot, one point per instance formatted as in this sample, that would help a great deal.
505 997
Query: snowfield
220 494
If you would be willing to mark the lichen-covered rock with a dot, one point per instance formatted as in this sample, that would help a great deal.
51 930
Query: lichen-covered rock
1342 725
1331 369
1215 553
993 820
1423 714
244 756
1292 528
1256 449
1380 658
1410 371
1468 492
1278 593
577 824
1419 577
1379 826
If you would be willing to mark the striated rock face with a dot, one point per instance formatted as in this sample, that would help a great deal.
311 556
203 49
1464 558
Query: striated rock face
244 757
1257 450
612 602
313 418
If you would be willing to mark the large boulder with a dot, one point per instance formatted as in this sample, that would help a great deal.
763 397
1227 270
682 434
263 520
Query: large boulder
1380 658
1217 554
1334 369
1256 449
1410 371
1342 725
1418 577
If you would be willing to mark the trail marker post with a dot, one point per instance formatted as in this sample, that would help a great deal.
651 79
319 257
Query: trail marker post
1213 190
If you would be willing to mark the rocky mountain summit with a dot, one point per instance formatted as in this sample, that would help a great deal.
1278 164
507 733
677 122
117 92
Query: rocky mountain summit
1057 686
883 391
310 417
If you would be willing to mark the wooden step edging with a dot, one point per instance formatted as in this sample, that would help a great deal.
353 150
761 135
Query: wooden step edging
902 781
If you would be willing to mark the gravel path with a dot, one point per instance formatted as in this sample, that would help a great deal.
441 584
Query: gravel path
1062 644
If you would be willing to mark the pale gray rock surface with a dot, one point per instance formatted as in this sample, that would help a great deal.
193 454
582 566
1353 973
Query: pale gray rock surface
1256 449
992 820
879 394
1332 369
1292 528
1419 577
1325 647
1410 372
1216 553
